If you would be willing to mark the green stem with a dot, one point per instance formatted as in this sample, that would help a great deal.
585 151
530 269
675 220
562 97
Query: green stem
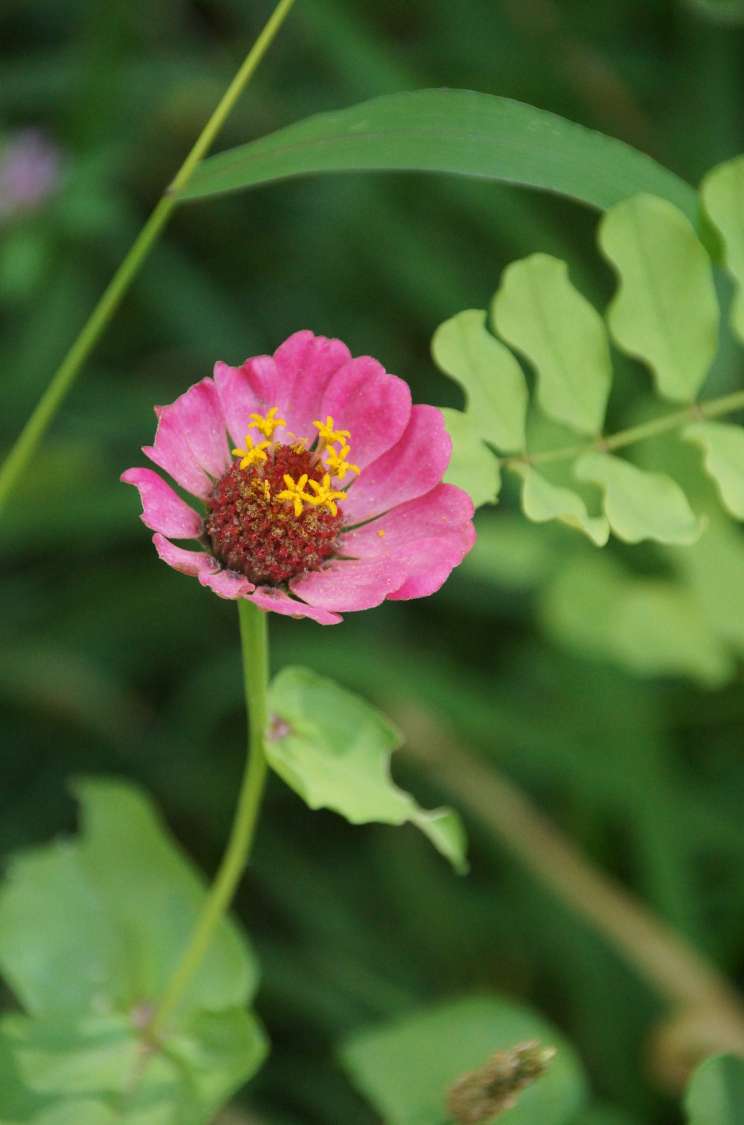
30 436
713 408
254 641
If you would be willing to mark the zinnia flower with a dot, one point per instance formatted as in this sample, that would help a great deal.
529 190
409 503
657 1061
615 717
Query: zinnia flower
328 495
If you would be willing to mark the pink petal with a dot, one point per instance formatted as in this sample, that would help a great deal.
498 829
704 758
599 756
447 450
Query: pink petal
444 511
227 583
195 563
374 406
162 509
239 396
414 465
305 364
277 601
429 562
190 442
346 585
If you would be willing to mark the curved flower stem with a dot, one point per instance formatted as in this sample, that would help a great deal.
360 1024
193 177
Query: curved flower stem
254 641
698 411
64 377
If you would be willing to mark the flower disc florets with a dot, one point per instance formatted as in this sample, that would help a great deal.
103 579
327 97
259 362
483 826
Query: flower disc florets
255 533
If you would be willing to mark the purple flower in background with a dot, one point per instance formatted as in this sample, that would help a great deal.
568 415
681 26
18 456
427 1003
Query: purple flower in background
30 168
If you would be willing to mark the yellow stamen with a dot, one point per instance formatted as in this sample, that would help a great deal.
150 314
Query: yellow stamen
252 453
295 494
325 495
381 533
337 463
328 434
266 423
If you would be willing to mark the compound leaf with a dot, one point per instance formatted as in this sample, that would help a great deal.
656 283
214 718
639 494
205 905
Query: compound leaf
723 445
543 501
472 466
722 193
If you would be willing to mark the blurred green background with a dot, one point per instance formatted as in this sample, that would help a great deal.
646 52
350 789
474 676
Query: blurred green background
112 663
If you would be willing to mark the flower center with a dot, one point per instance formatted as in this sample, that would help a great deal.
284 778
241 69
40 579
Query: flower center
275 512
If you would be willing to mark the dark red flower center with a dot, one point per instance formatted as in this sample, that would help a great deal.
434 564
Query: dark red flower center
256 527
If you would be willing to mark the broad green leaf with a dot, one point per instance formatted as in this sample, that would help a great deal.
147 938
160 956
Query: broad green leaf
494 383
651 627
455 131
406 1068
722 193
715 1094
724 459
60 1065
640 505
665 311
538 311
543 501
334 750
472 466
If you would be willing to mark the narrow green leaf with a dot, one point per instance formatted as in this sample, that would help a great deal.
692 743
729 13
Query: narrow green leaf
406 1068
640 505
722 193
538 311
543 501
665 311
455 131
334 750
473 466
715 1094
494 383
724 460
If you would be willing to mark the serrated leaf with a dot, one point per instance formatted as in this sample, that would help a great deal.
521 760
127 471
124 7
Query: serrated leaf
665 311
538 311
715 1094
334 749
651 627
472 466
455 131
406 1068
640 505
724 459
60 1065
543 501
722 192
493 382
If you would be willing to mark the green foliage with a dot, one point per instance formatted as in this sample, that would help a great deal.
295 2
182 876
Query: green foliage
721 192
90 932
715 1094
472 466
406 1068
665 311
455 131
334 749
543 501
724 460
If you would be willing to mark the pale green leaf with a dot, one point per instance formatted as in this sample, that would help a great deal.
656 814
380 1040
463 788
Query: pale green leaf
640 505
713 569
538 311
543 501
472 466
724 459
665 311
722 193
455 131
334 749
715 1094
405 1068
651 627
493 382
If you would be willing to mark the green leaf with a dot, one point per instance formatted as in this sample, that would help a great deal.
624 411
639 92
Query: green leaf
472 466
543 501
640 505
538 311
712 568
76 1112
724 460
334 750
456 131
715 1094
722 192
494 383
665 311
406 1068
60 1065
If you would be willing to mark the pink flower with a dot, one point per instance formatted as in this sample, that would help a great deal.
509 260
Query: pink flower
30 171
328 495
